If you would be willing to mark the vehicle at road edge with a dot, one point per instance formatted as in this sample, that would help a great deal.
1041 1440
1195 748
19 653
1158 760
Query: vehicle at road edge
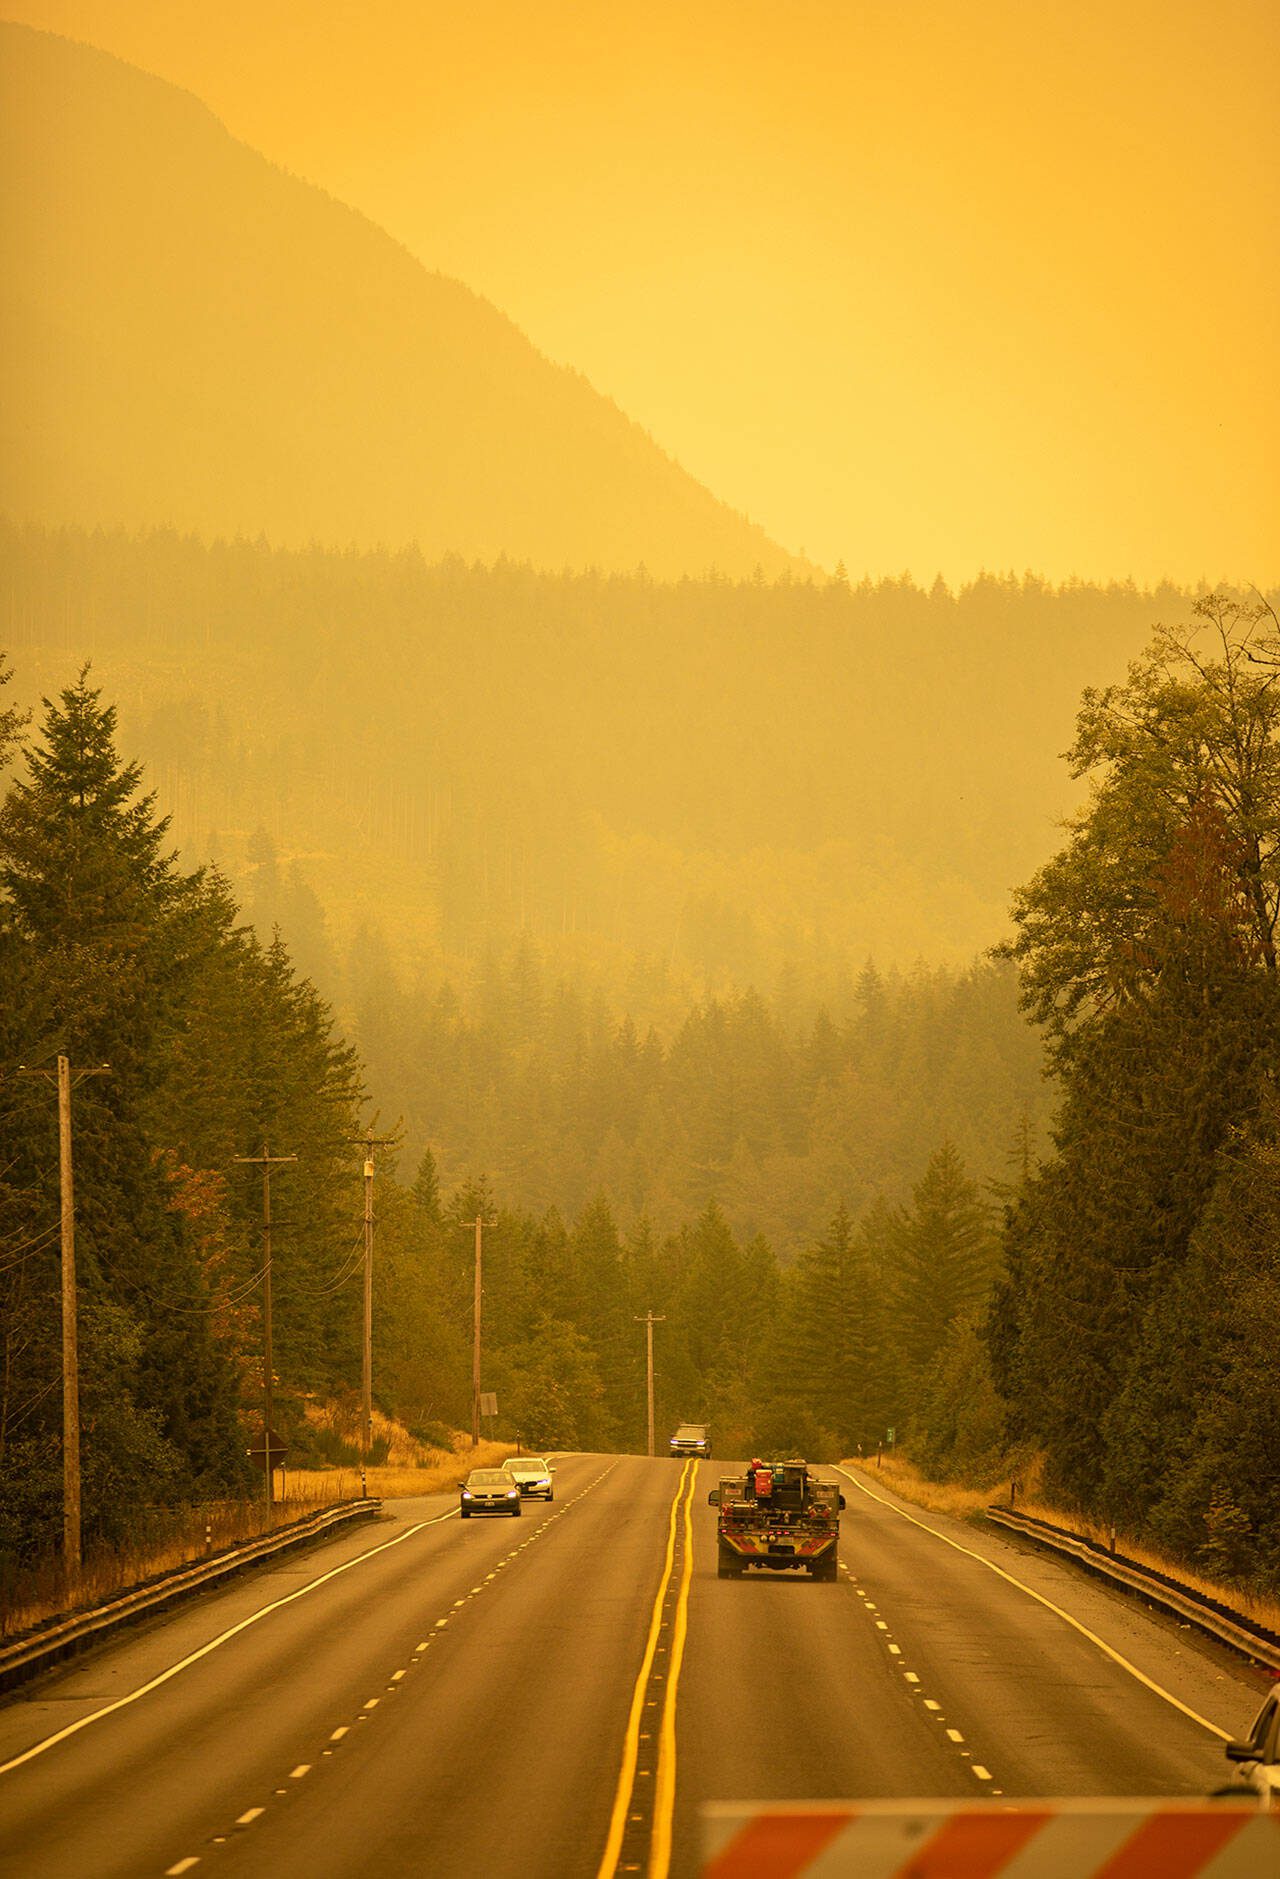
779 1516
692 1438
488 1491
1258 1755
532 1475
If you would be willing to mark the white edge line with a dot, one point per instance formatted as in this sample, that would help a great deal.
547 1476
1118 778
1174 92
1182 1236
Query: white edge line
1040 1599
223 1637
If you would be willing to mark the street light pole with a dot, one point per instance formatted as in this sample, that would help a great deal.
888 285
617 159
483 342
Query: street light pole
648 1321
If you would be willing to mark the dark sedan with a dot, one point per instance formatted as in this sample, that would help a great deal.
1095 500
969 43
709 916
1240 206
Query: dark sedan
489 1491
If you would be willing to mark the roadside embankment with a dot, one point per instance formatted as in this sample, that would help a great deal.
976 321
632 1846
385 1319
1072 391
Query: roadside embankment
896 1473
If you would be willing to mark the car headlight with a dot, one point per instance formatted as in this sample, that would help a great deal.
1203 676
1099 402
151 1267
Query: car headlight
513 1494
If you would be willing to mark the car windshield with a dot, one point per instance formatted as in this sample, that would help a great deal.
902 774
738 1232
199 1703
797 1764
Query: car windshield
527 1464
691 1432
487 1478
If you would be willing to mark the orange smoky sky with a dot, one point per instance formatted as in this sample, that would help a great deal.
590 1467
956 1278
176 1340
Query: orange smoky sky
924 285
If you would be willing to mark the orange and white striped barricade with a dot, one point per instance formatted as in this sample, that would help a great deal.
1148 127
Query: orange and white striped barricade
1067 1839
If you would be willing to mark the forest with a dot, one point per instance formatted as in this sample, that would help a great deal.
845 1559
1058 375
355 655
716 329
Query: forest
852 1219
680 786
216 1049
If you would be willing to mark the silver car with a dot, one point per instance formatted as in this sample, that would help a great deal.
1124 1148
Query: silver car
1258 1756
489 1491
531 1474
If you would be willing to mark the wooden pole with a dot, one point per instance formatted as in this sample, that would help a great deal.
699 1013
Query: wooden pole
266 1161
648 1321
475 1340
70 1343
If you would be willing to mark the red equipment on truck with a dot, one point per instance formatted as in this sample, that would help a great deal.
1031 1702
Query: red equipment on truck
779 1516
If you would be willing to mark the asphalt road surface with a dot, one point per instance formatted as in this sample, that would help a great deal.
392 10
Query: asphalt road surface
557 1695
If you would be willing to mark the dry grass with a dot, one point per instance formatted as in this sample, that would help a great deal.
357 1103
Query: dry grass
948 1497
437 1473
164 1540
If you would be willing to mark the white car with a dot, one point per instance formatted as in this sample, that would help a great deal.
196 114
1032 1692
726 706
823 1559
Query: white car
532 1475
1258 1756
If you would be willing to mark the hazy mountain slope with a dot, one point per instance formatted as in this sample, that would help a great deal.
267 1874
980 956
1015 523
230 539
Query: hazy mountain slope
193 336
728 777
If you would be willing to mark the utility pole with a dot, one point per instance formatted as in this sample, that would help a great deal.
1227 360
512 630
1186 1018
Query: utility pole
266 1162
70 1341
648 1321
475 1333
370 1141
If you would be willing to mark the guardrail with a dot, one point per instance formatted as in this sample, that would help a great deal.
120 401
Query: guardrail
1211 1615
43 1647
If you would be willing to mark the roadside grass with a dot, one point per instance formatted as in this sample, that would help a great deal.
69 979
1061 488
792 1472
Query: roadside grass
897 1474
164 1539
311 1486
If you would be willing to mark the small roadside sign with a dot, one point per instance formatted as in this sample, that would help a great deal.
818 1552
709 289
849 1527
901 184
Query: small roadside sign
258 1450
488 1403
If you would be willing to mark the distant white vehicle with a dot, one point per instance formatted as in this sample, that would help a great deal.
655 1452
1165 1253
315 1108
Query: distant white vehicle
532 1475
692 1438
1258 1756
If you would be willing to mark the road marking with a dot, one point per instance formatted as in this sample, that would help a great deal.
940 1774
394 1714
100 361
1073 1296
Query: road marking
982 1773
303 1768
242 1820
339 1733
373 1702
895 1650
911 1676
631 1739
1048 1604
183 1865
955 1735
396 1675
664 1804
223 1637
930 1704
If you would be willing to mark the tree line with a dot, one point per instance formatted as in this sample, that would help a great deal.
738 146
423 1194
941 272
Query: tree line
1133 1332
679 786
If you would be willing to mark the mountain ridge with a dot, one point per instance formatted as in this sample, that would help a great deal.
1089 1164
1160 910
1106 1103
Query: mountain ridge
199 338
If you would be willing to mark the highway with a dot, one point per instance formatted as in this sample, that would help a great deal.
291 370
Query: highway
556 1695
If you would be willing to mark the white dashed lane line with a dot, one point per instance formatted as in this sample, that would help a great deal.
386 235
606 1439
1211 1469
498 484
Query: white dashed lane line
302 1768
911 1680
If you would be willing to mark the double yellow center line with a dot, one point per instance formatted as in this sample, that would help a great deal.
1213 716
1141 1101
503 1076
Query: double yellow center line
662 1788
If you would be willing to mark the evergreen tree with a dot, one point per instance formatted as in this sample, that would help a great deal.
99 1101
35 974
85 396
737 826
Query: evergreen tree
946 1261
